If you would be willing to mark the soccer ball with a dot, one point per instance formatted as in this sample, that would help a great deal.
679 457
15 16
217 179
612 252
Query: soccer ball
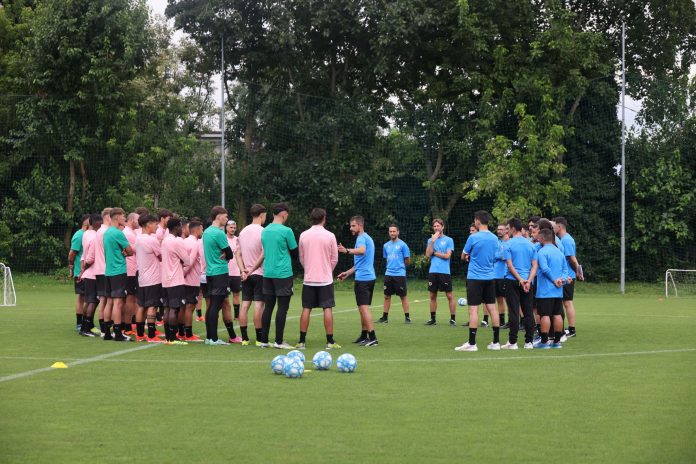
278 364
293 368
461 302
346 363
322 360
296 354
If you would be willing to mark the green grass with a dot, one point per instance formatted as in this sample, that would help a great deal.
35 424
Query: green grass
622 391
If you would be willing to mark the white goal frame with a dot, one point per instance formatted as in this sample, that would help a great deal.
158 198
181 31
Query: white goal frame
9 297
669 279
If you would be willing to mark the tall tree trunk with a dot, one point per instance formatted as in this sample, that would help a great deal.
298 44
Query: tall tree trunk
83 174
70 206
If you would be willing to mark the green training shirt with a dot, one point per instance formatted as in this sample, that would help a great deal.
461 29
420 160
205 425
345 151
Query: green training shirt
214 241
277 240
115 242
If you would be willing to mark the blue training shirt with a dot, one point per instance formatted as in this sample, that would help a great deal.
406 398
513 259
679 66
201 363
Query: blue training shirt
551 262
481 247
569 250
500 266
364 265
395 253
521 251
442 245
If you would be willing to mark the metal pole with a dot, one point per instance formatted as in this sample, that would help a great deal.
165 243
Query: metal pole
222 120
623 159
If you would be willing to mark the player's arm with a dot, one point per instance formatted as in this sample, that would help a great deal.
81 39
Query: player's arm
257 264
334 255
430 249
466 252
240 261
71 261
345 274
576 267
128 251
514 272
445 255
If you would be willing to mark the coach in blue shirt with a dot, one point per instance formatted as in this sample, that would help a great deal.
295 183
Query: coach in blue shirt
439 249
574 270
398 256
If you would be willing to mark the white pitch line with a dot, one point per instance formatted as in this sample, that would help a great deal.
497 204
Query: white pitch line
463 358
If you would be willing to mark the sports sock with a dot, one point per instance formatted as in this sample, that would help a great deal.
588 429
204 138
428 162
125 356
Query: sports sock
125 327
258 334
502 318
303 336
236 311
107 330
188 331
558 336
385 316
363 335
432 316
102 326
329 338
243 329
140 329
571 329
198 312
485 318
453 317
407 315
151 327
371 335
544 337
472 336
229 325
496 334
538 329
182 330
78 319
117 330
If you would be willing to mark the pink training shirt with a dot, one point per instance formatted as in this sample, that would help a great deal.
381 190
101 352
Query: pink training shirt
161 233
318 255
147 255
88 241
99 259
174 259
131 263
201 258
250 244
192 275
232 265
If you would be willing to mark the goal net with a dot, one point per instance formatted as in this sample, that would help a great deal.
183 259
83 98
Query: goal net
680 282
9 297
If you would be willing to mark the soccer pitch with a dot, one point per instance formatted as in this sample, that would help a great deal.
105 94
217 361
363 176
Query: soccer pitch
622 391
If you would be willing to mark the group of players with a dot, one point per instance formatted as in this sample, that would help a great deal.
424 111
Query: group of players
138 271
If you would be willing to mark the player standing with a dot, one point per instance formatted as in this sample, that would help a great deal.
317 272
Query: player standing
499 268
130 231
235 272
398 256
521 269
364 270
217 253
99 264
574 271
318 255
175 258
251 250
148 259
549 293
192 278
480 250
116 248
439 249
74 256
89 277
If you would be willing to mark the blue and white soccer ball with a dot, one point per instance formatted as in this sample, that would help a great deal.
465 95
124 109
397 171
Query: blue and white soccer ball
296 354
346 363
293 368
278 364
462 302
322 360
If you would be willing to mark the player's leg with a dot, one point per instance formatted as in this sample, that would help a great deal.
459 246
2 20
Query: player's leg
402 292
512 299
389 290
91 301
304 326
452 307
229 321
545 309
79 303
569 305
327 302
433 307
364 302
235 304
500 301
283 288
309 300
474 296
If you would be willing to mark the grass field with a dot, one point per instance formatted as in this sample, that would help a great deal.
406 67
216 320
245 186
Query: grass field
624 390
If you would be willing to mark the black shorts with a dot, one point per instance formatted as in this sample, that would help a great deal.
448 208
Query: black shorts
394 285
499 288
277 287
252 288
132 285
101 285
191 294
150 296
318 297
549 306
235 284
204 289
439 283
91 291
480 291
79 286
569 291
116 286
175 297
363 292
218 285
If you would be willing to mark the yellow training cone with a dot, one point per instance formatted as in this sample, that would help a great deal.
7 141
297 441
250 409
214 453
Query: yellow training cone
59 365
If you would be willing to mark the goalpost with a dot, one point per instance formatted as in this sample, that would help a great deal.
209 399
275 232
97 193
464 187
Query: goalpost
9 297
677 280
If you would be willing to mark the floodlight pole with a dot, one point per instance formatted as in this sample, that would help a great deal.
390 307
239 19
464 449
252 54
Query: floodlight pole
222 120
623 159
